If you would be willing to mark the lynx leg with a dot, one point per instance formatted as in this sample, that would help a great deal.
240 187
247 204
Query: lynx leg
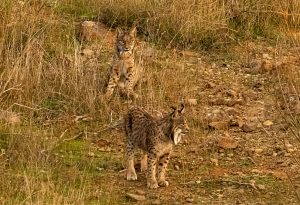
144 162
129 86
112 83
131 174
151 171
162 166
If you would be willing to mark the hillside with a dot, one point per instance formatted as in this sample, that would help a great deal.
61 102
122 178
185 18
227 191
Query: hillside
235 65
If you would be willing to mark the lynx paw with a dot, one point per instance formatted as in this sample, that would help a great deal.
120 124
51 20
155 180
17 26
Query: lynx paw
152 185
131 176
163 183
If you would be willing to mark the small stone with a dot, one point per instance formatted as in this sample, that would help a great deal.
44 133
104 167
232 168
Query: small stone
90 30
227 142
266 56
213 65
232 93
258 151
218 101
215 161
210 85
248 127
268 123
91 154
232 111
140 192
176 167
261 187
100 169
192 60
220 125
266 66
136 197
190 200
87 52
192 101
156 202
10 117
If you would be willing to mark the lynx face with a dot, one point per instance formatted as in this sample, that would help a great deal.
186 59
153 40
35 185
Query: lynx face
180 126
125 42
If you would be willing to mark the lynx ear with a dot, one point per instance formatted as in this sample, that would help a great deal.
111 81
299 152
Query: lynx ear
174 112
173 108
132 32
120 32
182 108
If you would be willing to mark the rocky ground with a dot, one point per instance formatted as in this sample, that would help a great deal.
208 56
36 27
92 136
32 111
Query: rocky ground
242 148
242 110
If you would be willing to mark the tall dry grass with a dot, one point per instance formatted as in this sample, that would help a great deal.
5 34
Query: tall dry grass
42 72
40 55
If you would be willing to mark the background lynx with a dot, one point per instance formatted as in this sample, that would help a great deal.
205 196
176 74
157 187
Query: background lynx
156 138
124 71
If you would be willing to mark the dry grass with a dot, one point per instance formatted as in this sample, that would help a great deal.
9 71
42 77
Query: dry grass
43 77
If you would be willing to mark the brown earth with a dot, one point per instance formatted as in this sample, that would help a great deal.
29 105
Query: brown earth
241 149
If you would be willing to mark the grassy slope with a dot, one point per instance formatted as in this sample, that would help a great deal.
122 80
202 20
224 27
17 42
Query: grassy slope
44 79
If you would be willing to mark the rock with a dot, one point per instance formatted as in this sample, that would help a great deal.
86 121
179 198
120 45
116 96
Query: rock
233 122
227 142
248 127
87 52
156 202
191 101
266 56
9 117
189 53
213 65
219 125
218 101
215 161
190 199
210 85
266 66
176 167
232 102
192 60
231 111
91 31
91 154
258 151
231 93
136 197
268 123
140 192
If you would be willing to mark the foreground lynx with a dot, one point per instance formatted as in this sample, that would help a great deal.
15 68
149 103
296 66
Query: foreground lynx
156 138
124 72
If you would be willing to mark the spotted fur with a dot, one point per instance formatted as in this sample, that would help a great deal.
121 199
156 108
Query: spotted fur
156 137
124 72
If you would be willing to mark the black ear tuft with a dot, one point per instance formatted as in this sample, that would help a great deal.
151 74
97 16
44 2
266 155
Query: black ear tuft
182 108
174 112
